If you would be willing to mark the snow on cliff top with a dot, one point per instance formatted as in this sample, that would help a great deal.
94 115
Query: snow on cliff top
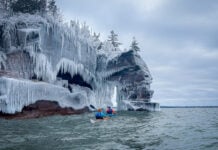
32 22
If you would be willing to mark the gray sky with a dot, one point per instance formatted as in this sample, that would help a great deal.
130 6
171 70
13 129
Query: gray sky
178 40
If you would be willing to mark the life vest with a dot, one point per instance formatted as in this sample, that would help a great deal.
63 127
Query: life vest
99 115
109 111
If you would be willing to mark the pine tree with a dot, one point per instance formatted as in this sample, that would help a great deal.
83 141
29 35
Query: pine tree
134 46
113 38
52 7
43 6
26 6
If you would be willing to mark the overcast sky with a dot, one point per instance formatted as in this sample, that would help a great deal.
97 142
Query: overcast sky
178 40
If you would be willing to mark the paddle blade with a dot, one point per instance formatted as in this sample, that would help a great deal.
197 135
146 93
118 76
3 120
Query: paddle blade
92 121
92 107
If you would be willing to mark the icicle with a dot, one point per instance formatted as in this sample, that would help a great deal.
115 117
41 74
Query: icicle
3 58
62 44
74 68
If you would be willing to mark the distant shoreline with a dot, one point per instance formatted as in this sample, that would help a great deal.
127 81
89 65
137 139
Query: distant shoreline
188 106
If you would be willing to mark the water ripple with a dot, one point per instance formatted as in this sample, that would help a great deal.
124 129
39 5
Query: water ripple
169 129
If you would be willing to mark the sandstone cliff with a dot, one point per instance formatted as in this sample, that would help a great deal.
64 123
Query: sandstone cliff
42 59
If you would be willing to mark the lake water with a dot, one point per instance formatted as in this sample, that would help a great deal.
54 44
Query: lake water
169 129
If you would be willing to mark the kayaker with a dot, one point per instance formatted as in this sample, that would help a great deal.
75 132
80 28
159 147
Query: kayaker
110 111
100 114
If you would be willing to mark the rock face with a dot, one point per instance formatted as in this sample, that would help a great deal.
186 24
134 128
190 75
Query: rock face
41 109
41 59
131 75
134 76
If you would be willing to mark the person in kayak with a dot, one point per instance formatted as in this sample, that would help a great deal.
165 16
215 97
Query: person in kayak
110 111
100 114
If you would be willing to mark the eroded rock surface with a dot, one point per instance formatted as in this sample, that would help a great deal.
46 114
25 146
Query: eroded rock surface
43 108
130 73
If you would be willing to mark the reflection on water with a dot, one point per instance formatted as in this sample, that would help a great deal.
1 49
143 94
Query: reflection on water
169 129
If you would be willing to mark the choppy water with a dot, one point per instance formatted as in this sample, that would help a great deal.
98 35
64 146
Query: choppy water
181 129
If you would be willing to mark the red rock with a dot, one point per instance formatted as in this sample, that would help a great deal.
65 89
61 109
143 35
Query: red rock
43 108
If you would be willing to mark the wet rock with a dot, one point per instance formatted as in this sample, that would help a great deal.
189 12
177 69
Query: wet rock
43 108
134 76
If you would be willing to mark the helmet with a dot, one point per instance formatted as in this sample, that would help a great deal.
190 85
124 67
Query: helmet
99 110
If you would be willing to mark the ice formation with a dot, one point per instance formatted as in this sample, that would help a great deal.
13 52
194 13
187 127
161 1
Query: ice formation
43 59
18 93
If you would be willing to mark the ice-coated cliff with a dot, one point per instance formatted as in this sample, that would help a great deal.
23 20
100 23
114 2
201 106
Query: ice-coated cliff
42 59
130 74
